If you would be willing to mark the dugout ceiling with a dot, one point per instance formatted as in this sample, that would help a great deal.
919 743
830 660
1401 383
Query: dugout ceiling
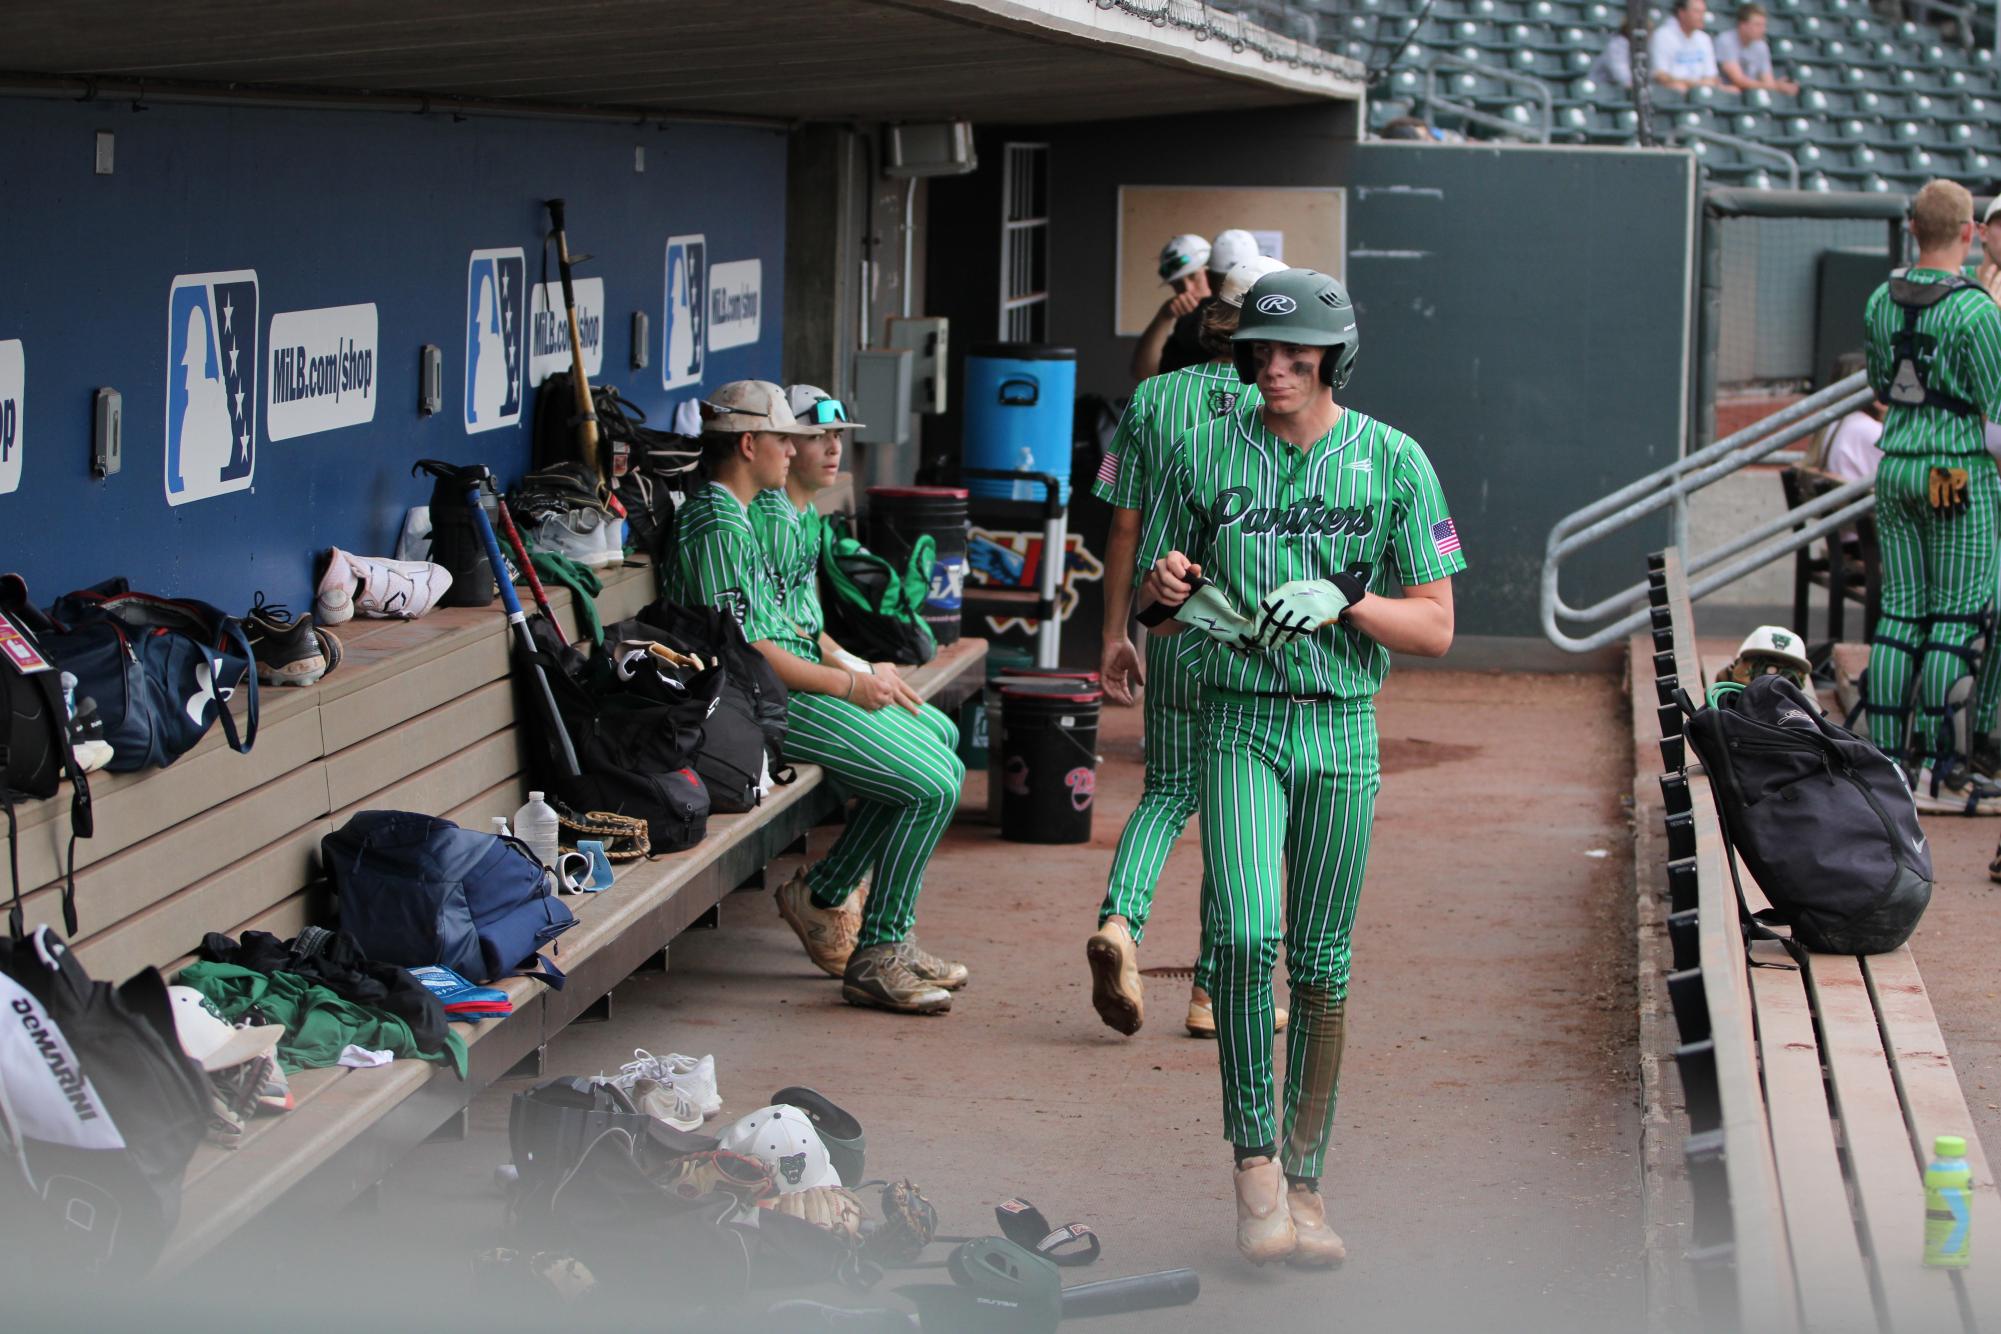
793 60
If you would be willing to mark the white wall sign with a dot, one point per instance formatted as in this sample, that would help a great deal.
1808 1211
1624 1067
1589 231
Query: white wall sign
496 294
682 312
212 361
549 328
736 295
322 371
13 392
1270 244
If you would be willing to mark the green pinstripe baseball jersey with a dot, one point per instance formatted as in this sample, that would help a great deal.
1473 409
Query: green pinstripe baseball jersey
719 562
1160 412
791 539
1255 512
1963 336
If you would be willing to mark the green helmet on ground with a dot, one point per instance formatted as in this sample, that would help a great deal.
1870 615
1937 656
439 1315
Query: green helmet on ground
1302 306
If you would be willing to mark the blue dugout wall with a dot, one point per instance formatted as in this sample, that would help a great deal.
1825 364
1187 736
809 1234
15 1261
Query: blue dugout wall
163 279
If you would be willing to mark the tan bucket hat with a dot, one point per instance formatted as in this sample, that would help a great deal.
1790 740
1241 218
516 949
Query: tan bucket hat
750 405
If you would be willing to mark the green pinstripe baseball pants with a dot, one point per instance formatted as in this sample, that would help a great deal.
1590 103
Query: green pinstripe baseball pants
1166 800
906 771
1938 578
1288 797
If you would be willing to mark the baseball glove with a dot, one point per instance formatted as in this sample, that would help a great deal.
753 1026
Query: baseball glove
909 1222
700 1176
835 1209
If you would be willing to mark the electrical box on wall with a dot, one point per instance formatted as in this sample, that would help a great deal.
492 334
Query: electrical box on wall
882 395
107 436
937 148
925 337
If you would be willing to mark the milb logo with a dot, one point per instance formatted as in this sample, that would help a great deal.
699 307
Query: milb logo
212 360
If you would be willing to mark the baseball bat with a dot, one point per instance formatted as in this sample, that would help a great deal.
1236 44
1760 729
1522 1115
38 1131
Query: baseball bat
587 417
1140 1292
527 565
517 620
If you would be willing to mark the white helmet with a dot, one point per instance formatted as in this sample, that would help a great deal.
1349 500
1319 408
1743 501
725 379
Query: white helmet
783 1139
1182 256
1775 641
1241 278
1232 248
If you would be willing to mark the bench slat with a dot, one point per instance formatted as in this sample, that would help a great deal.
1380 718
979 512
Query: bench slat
1833 1286
1889 1194
1764 1261
1934 1103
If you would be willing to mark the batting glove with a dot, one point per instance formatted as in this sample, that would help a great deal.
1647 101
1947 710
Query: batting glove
1301 607
1208 609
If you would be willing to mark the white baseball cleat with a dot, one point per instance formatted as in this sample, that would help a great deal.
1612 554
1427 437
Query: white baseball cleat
376 586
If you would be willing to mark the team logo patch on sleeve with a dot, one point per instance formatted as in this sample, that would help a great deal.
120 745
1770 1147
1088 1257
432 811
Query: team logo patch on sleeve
1108 471
1445 537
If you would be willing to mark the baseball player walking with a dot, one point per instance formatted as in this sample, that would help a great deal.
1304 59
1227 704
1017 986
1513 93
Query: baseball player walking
1934 349
1304 512
865 727
1162 410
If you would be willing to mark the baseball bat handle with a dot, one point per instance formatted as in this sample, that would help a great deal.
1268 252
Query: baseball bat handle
556 213
1141 1292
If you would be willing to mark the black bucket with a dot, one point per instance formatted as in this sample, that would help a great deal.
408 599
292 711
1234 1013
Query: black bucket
1049 761
1002 678
897 517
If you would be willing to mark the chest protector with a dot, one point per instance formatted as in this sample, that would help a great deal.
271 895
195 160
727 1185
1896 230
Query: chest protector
1913 351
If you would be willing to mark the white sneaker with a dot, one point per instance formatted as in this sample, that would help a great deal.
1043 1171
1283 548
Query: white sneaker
588 535
375 586
696 1078
667 1103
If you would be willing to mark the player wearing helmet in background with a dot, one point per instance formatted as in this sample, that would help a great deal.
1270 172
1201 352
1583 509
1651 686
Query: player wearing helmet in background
1303 512
1162 410
1173 341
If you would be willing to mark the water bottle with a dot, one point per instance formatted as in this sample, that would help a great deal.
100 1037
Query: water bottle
535 824
1948 1205
500 829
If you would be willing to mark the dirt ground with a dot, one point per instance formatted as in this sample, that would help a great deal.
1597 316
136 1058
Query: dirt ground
1484 1171
1954 947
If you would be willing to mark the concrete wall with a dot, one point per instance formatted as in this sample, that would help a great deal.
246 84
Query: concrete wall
1523 311
328 209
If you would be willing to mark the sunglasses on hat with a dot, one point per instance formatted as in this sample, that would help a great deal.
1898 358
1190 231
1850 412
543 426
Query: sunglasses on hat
827 411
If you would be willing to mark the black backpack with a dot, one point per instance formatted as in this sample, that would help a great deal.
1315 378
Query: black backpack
745 731
35 754
1822 819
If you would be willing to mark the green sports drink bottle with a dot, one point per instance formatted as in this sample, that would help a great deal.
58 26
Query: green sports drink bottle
1948 1205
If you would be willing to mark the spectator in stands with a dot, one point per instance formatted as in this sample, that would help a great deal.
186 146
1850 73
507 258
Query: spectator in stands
1614 66
1680 53
1411 128
1744 57
1852 453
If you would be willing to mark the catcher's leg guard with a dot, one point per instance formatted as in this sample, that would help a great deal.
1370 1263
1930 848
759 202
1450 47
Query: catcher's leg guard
1952 660
1895 654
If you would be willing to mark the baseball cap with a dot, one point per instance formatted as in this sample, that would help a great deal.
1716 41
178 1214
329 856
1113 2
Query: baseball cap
1993 209
1776 641
750 405
1242 277
1234 247
783 1139
208 1037
819 410
1182 256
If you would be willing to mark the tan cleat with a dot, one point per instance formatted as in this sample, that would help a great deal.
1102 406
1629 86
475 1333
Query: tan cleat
930 968
1115 985
1265 1230
1202 1015
880 977
829 934
1319 1246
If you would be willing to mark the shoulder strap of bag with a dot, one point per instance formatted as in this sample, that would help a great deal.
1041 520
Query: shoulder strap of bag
13 598
1753 925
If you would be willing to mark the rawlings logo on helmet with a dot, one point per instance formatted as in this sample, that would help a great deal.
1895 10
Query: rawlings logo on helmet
1276 303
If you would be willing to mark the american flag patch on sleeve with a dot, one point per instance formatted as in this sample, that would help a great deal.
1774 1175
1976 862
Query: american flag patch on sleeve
1108 471
1444 537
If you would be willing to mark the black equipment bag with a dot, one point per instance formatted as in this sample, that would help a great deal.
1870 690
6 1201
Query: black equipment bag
35 749
746 730
1821 818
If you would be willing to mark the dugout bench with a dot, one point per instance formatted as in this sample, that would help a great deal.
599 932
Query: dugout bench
1814 1084
419 716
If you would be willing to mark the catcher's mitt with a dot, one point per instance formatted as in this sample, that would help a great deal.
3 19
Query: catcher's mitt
909 1222
833 1208
701 1176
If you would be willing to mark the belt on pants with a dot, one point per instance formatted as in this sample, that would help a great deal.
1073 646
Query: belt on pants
1223 695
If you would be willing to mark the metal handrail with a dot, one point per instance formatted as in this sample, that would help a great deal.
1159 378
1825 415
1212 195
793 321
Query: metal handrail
1748 147
1466 110
1672 485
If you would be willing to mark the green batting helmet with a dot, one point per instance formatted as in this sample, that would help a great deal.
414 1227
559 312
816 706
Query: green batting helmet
1301 306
